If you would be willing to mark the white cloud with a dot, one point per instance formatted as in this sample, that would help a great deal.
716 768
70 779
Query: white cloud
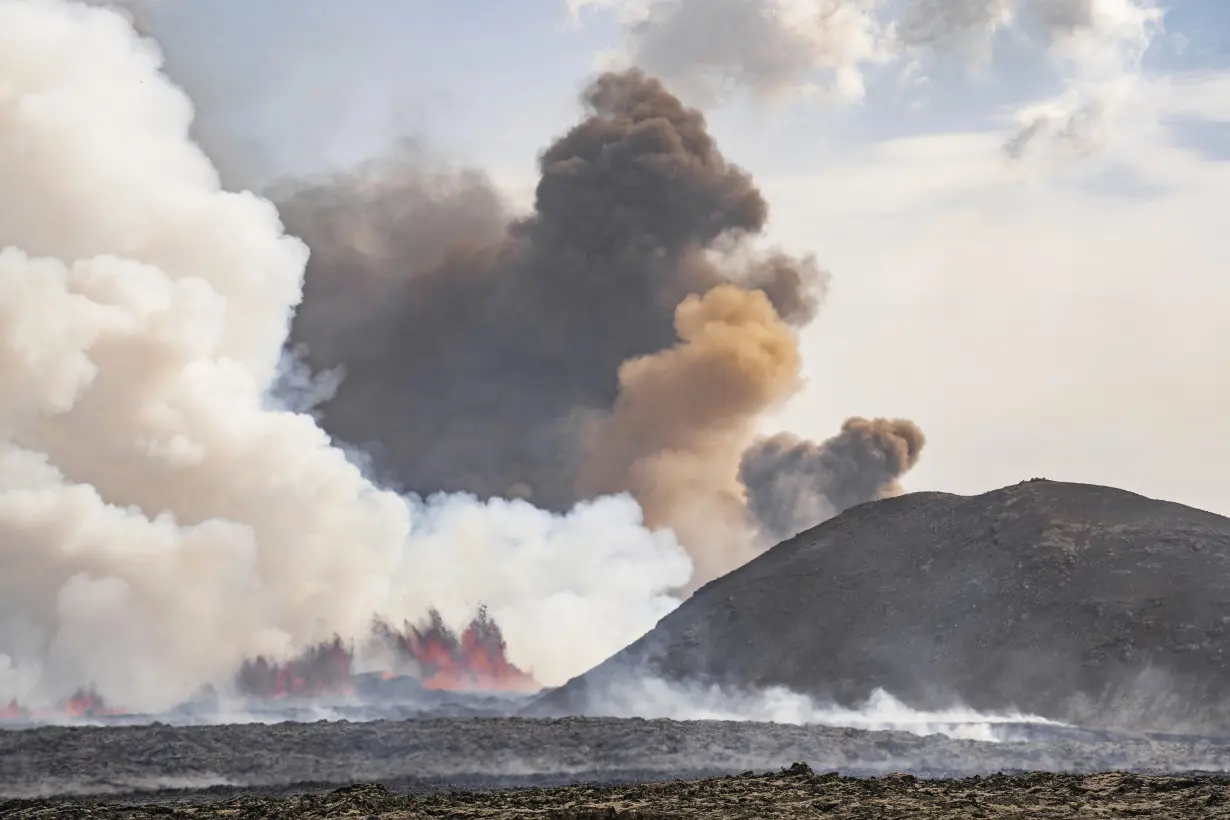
1069 325
826 48
775 48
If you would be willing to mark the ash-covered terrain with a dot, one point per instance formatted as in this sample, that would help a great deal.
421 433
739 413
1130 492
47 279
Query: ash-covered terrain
1084 604
159 762
793 792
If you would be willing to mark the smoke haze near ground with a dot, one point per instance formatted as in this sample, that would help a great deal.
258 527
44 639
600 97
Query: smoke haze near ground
158 521
650 697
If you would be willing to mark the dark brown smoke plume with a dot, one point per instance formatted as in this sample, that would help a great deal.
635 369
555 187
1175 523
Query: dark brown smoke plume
475 348
623 336
794 484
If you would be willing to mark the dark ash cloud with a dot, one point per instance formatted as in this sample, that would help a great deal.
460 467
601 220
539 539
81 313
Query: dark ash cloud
794 484
475 345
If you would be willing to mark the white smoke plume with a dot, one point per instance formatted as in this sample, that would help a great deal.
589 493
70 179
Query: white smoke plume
139 12
158 520
658 698
827 48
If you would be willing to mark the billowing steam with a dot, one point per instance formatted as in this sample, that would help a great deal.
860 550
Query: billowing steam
792 484
164 517
139 12
158 523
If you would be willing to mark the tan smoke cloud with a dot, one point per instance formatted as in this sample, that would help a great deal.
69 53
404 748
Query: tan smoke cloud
684 416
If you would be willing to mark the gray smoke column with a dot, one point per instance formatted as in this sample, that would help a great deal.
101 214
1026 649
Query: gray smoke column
477 347
794 484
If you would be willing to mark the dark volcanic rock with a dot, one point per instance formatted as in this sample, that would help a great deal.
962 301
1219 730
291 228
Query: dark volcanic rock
1077 602
157 763
793 792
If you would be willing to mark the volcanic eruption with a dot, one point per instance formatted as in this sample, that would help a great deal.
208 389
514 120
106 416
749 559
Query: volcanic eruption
559 397
624 336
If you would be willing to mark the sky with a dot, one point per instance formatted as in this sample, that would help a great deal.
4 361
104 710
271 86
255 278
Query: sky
1059 311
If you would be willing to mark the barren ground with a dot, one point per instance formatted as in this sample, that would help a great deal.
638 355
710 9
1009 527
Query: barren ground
796 792
466 767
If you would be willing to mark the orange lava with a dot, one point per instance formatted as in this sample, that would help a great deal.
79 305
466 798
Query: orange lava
476 662
85 703
324 669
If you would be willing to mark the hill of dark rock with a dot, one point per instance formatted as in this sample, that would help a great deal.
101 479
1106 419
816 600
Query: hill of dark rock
1080 603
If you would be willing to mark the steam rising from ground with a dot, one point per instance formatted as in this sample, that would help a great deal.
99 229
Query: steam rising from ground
157 521
650 697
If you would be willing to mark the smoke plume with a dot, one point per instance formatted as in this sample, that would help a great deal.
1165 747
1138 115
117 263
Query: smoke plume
489 358
159 521
685 415
793 484
140 13
625 336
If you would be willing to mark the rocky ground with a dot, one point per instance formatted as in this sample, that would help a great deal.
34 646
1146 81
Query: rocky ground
160 762
796 792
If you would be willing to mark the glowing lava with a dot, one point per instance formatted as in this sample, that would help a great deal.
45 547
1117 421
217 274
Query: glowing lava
85 703
323 669
88 703
431 653
477 662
